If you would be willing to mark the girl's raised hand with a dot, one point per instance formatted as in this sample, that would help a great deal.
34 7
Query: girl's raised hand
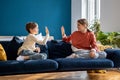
62 30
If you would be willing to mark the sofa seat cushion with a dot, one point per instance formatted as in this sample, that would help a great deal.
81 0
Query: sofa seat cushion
78 64
10 67
31 66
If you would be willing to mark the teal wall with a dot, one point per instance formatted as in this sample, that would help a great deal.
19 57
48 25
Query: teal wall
14 14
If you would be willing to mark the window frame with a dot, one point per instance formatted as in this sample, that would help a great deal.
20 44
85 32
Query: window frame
90 9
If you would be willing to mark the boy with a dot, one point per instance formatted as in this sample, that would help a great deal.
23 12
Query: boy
28 50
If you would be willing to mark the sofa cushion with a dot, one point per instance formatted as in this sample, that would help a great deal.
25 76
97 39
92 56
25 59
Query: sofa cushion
3 56
78 64
5 44
31 66
10 67
13 47
58 49
114 55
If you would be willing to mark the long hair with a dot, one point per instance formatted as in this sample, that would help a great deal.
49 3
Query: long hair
84 22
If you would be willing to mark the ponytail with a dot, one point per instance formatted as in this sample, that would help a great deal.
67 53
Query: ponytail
88 30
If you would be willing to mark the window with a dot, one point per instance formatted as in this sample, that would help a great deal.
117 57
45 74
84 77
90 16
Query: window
90 10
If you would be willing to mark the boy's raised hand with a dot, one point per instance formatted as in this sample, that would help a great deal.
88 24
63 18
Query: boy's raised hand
46 30
62 31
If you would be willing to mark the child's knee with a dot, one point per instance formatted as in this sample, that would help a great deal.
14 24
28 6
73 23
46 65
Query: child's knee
38 56
44 56
102 54
96 56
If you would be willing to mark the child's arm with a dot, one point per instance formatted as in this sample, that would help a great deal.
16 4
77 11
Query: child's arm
46 37
64 37
94 48
93 43
43 42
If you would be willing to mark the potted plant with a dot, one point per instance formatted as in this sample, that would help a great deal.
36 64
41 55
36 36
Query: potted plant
109 38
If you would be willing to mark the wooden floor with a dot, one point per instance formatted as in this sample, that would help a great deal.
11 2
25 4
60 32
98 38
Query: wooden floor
77 75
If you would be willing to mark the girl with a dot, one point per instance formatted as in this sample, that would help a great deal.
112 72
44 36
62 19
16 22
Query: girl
83 42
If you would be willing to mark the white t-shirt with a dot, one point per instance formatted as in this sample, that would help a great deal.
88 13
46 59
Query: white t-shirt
30 41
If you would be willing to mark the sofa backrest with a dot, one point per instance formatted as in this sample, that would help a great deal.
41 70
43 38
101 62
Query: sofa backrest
11 47
58 49
54 49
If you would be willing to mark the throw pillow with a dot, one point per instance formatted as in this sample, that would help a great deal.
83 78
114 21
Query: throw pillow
58 49
3 56
13 47
43 48
103 47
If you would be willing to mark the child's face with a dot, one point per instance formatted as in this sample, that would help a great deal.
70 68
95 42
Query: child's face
81 27
35 30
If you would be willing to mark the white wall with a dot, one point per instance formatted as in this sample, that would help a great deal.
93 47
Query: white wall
76 13
110 15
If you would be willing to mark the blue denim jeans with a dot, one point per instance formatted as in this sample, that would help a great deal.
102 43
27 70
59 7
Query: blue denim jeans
33 55
85 54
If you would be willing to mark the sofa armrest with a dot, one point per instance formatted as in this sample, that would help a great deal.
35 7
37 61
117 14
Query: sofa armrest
114 55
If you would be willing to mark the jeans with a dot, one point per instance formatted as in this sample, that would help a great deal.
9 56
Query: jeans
33 55
86 54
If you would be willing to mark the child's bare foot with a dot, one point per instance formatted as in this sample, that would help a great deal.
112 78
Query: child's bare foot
20 58
26 57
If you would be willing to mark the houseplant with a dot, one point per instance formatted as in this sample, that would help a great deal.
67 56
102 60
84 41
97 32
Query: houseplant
105 38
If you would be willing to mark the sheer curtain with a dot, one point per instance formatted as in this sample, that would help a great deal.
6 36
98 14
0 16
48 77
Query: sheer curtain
90 10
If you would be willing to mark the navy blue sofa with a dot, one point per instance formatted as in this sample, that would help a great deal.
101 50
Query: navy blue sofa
56 62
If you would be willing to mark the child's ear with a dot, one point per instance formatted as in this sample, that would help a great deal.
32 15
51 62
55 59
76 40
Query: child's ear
85 26
30 30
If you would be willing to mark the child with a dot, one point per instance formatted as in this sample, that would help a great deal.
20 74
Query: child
28 49
83 42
